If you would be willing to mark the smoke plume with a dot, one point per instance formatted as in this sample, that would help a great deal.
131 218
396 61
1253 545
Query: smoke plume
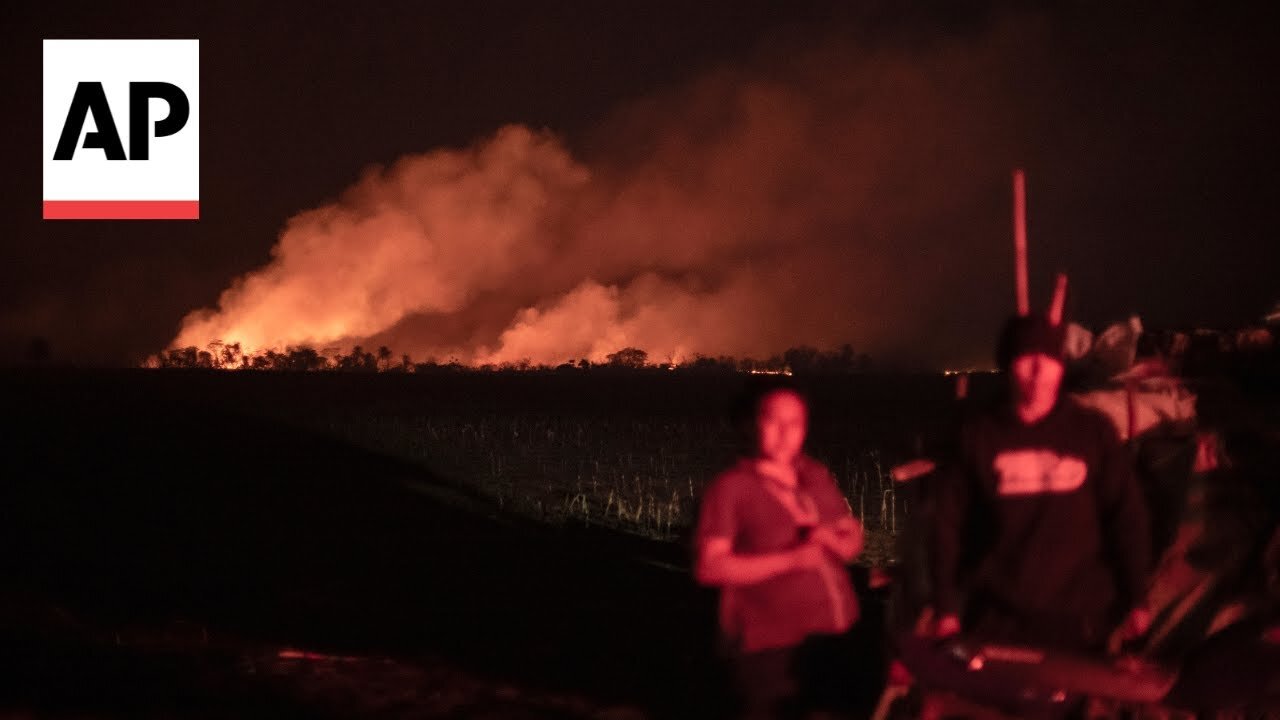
810 196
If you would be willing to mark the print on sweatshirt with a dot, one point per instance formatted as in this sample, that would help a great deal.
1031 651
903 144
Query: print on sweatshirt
1032 471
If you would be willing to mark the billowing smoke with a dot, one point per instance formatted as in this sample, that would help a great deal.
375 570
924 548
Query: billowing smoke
812 197
426 236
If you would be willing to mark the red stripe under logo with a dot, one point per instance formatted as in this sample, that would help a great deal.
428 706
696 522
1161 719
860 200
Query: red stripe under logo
121 209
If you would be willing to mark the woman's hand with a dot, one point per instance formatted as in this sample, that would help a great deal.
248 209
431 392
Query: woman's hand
842 538
811 555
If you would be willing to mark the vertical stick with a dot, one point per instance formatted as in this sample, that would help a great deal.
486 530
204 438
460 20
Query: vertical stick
1020 240
1059 300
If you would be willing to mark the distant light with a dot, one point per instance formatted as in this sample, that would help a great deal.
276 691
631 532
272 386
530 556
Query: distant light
970 371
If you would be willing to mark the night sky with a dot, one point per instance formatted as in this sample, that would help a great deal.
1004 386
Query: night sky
1148 135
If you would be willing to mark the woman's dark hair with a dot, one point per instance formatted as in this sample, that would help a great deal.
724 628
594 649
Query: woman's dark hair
746 405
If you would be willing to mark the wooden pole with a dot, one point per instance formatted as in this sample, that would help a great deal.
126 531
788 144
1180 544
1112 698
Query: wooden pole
1020 240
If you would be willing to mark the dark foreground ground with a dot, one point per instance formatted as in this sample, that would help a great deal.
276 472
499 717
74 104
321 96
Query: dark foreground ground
168 555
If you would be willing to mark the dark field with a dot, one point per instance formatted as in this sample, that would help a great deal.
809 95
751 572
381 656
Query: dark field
443 545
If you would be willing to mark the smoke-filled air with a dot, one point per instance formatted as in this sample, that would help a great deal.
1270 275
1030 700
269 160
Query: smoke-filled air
811 196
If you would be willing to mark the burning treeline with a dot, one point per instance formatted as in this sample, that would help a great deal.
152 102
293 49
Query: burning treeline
219 356
811 199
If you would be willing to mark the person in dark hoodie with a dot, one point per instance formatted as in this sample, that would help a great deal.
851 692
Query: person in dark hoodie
1040 522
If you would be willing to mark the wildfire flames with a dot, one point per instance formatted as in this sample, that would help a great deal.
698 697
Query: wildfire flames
745 212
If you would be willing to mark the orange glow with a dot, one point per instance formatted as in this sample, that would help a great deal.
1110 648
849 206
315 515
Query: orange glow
741 214
295 654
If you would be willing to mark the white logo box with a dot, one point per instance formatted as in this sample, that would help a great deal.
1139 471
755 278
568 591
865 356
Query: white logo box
166 185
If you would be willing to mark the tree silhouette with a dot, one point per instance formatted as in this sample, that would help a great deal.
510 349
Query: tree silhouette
628 357
359 360
303 359
801 359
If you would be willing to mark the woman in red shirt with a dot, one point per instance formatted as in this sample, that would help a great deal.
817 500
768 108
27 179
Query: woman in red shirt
775 535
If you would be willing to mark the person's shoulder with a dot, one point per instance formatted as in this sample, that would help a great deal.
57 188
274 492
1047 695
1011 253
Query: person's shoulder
816 477
818 480
731 478
810 468
809 463
1089 419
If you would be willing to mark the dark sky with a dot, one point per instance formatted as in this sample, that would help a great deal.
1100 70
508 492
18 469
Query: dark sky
1149 135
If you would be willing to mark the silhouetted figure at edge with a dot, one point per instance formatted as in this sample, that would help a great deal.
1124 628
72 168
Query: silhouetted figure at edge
774 534
1040 519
